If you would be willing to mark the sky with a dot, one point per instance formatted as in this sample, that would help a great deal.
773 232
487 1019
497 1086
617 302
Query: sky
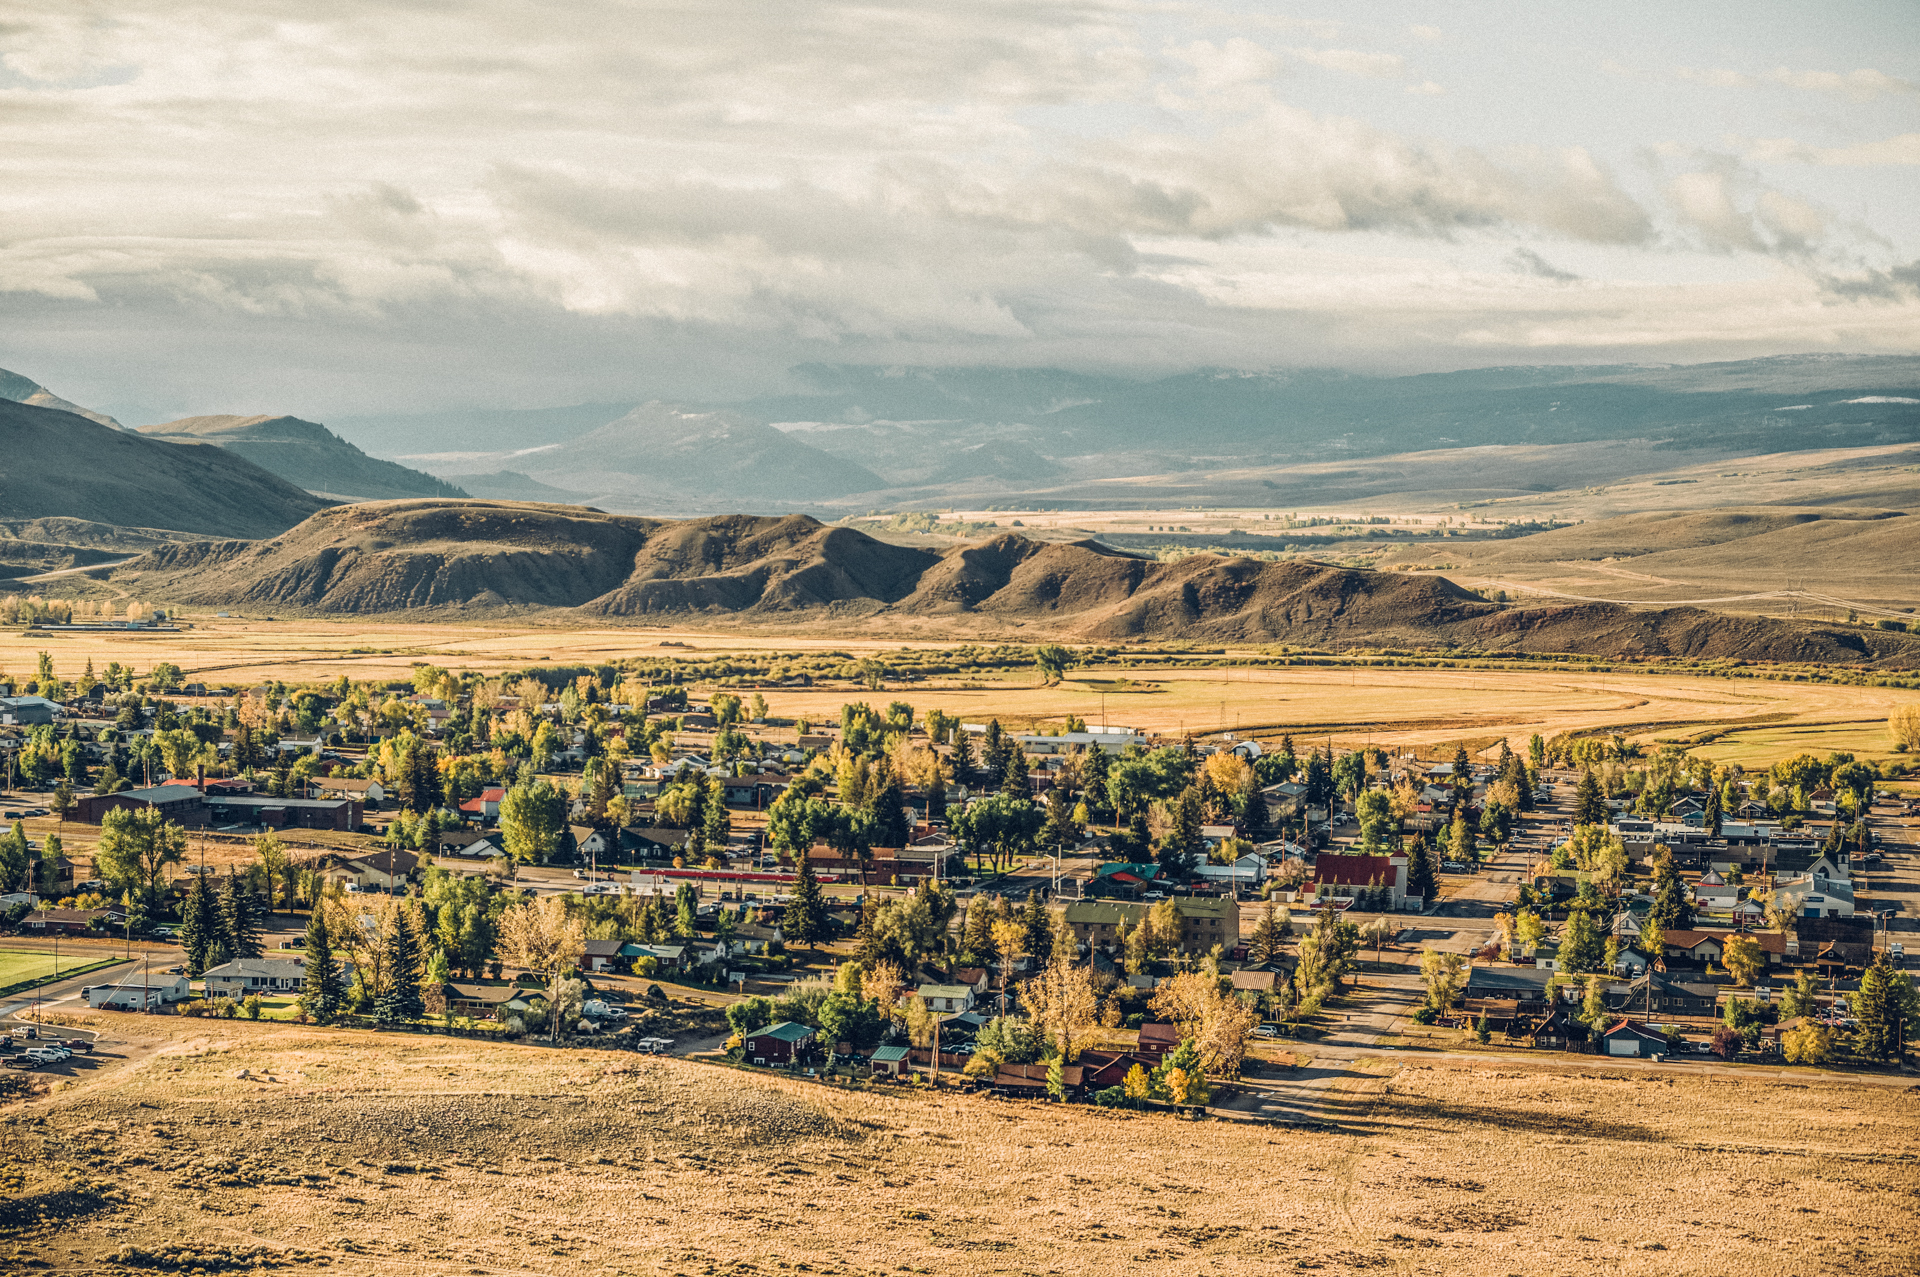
410 205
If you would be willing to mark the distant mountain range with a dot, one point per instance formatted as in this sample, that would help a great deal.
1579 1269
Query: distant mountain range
926 437
479 559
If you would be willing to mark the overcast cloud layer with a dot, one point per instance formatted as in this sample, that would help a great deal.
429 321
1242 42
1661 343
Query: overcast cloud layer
252 206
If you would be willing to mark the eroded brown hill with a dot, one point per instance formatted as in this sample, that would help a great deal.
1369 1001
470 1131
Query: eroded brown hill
463 556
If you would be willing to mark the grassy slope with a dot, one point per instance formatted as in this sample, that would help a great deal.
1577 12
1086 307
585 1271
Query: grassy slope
388 1154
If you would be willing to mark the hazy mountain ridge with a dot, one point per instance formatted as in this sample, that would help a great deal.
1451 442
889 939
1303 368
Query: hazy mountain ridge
305 453
54 464
864 435
477 557
25 390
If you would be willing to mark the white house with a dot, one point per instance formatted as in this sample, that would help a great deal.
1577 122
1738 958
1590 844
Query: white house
139 990
1628 1038
947 999
245 976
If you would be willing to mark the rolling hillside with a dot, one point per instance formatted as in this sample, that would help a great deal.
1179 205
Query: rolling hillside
1868 558
305 454
468 557
54 464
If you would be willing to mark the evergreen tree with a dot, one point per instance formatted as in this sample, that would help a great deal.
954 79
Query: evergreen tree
1672 909
239 924
1883 1007
1264 945
977 936
937 797
322 996
1183 846
401 998
992 751
963 764
1423 870
886 811
1038 920
1712 819
1013 771
1589 804
804 920
199 926
686 904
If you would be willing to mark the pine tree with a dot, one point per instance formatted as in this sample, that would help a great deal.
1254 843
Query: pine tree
977 936
1183 846
992 751
1014 771
804 919
1038 920
322 996
1589 804
963 765
1711 819
1877 1010
199 924
937 798
1422 871
1263 947
401 998
886 809
239 926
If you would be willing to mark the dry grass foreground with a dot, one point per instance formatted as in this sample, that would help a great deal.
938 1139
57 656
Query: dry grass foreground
389 1155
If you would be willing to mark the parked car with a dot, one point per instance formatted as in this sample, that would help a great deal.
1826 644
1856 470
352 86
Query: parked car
164 932
1266 1031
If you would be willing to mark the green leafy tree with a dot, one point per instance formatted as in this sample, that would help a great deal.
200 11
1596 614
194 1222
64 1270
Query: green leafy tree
886 812
48 879
1052 661
1801 998
531 818
1582 950
136 846
13 856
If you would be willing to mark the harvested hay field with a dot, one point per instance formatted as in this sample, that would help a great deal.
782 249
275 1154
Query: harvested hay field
365 1154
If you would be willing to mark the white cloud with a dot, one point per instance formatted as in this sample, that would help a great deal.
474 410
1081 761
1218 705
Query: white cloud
1861 85
1900 150
1005 179
1372 66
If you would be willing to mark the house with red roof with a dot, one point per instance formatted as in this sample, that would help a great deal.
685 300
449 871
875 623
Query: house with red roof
1342 877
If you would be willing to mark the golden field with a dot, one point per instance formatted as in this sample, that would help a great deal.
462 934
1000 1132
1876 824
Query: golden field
1412 707
389 1154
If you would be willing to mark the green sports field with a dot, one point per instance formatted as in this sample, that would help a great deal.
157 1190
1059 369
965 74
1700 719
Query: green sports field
17 966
